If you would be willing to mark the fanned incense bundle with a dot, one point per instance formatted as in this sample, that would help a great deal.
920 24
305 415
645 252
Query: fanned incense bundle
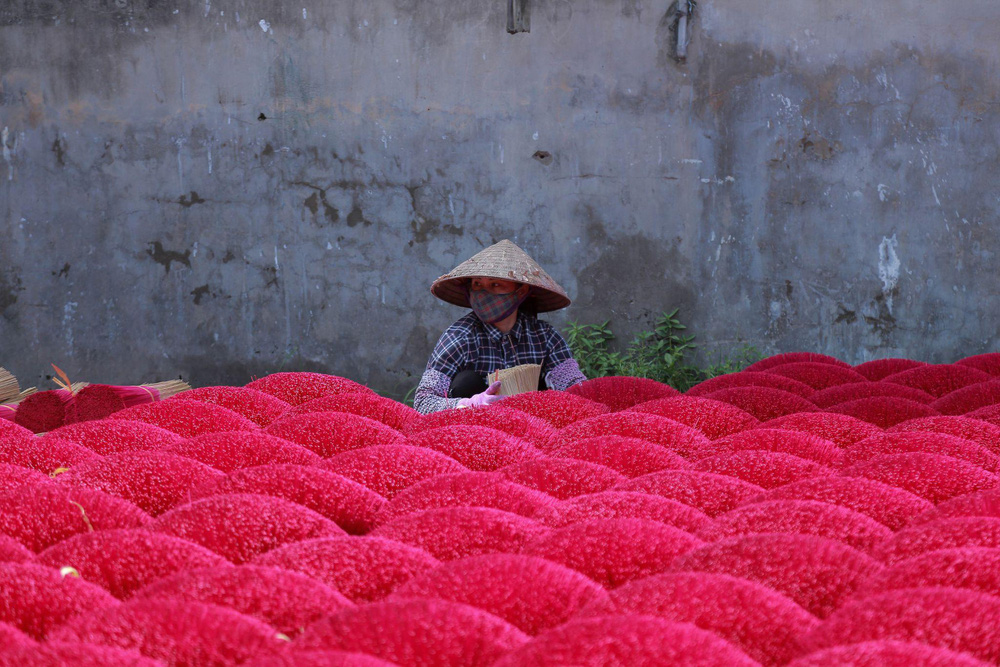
9 388
518 379
98 401
44 411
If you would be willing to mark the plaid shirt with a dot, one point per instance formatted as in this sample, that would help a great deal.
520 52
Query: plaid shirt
468 344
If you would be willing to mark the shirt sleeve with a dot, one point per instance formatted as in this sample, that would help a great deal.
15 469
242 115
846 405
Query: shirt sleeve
432 393
560 369
448 357
564 375
451 351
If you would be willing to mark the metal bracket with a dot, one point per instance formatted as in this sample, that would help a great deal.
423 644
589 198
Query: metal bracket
518 16
683 11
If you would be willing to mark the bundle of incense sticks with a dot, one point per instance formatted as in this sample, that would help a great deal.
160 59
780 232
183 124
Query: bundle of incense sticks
9 389
517 380
97 401
44 411
9 409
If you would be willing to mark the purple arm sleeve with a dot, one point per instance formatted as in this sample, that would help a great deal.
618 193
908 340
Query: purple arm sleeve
564 375
432 393
560 368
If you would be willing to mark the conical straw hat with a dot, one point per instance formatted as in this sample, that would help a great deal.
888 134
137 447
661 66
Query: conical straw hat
506 261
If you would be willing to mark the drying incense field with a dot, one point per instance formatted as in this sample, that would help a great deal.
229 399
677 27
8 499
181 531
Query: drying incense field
801 512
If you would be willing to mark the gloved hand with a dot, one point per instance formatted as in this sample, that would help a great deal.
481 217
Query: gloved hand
488 397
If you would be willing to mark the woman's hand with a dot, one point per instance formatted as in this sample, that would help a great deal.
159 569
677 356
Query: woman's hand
488 397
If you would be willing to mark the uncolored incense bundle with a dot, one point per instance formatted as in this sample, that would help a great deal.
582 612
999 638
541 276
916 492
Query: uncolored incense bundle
518 380
97 401
9 389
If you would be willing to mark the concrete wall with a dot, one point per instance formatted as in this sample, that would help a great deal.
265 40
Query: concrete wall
223 188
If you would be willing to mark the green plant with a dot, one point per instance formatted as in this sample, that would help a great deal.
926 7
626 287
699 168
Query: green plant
589 343
658 354
743 357
410 395
402 391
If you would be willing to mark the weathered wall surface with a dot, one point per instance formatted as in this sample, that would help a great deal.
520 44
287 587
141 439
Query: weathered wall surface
223 188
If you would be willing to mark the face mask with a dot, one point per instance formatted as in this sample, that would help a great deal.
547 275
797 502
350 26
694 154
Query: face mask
493 308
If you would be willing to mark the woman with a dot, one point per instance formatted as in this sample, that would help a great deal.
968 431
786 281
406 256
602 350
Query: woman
505 289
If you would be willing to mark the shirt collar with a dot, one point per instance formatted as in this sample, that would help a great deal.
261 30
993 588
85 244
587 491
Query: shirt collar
495 334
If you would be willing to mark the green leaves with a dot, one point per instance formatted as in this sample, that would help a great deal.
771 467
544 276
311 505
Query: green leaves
658 354
589 343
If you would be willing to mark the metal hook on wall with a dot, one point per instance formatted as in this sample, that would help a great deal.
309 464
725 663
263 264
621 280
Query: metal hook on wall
518 19
683 12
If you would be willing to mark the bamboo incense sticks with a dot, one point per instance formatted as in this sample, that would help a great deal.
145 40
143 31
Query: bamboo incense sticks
518 379
9 388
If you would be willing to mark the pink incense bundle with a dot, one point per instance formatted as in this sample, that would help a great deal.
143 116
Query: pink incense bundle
98 401
8 409
989 362
44 411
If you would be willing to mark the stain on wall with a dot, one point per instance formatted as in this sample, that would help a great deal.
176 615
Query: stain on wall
10 286
167 258
244 186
